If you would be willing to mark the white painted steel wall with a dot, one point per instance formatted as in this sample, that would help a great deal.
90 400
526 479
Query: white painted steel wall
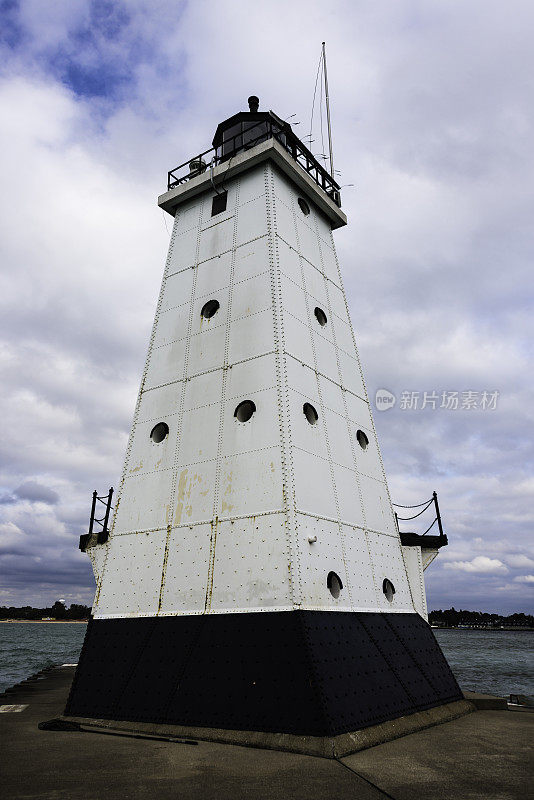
227 516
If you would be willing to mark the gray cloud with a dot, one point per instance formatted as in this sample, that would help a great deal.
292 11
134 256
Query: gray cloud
37 493
432 114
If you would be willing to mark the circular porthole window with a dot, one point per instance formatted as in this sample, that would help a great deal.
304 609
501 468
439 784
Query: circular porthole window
320 316
304 207
310 413
388 589
244 411
209 309
159 432
333 581
363 441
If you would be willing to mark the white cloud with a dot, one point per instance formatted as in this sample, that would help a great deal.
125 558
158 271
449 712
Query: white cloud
524 579
517 561
481 564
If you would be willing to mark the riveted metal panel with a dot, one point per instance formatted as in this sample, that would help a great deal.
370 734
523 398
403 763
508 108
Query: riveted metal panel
350 509
195 485
358 558
250 571
302 379
338 303
294 299
308 242
330 265
358 410
289 262
260 432
317 496
251 296
132 575
166 364
297 339
173 325
213 276
216 239
284 190
315 285
252 221
368 460
187 217
199 434
324 229
350 374
148 456
285 226
311 438
252 185
325 356
321 555
97 556
144 502
177 290
203 390
183 589
251 259
414 569
258 374
251 336
201 324
158 404
377 507
344 338
241 496
388 563
206 349
183 252
332 394
340 445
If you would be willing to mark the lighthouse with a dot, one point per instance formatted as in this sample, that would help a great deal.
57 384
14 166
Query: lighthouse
254 580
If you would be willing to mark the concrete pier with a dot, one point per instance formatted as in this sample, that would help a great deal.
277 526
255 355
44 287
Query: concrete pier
484 754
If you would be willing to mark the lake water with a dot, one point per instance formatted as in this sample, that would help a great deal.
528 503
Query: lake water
499 662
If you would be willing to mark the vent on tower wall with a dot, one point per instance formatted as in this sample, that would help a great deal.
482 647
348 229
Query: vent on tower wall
218 204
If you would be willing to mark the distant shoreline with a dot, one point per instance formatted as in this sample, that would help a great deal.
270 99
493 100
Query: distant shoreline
46 621
505 629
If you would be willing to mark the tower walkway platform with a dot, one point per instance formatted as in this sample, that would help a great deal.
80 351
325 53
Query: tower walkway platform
484 754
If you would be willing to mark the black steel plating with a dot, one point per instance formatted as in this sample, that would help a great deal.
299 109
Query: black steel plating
305 672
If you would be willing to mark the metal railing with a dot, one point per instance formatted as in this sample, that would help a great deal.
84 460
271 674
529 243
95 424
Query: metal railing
102 522
246 139
422 539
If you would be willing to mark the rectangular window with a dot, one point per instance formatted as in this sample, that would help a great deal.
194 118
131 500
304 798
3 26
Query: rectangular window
218 203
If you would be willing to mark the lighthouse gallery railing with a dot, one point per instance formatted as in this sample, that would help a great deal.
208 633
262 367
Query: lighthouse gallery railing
248 138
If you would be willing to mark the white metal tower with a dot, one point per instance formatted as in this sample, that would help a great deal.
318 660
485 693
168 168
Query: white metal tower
254 577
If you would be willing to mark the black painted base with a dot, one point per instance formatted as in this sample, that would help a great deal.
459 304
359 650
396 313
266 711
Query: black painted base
314 673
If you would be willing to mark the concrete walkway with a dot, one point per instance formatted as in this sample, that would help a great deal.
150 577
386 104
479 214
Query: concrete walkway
487 754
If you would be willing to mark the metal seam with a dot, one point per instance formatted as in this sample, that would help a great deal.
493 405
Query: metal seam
137 406
311 332
183 387
292 549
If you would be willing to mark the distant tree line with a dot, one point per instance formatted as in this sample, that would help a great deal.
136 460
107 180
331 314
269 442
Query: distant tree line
451 618
58 611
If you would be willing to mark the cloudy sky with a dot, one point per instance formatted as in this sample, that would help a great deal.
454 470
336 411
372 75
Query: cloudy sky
432 116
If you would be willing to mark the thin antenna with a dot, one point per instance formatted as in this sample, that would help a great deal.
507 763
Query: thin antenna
328 113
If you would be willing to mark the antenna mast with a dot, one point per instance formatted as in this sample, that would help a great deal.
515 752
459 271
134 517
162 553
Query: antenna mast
328 113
